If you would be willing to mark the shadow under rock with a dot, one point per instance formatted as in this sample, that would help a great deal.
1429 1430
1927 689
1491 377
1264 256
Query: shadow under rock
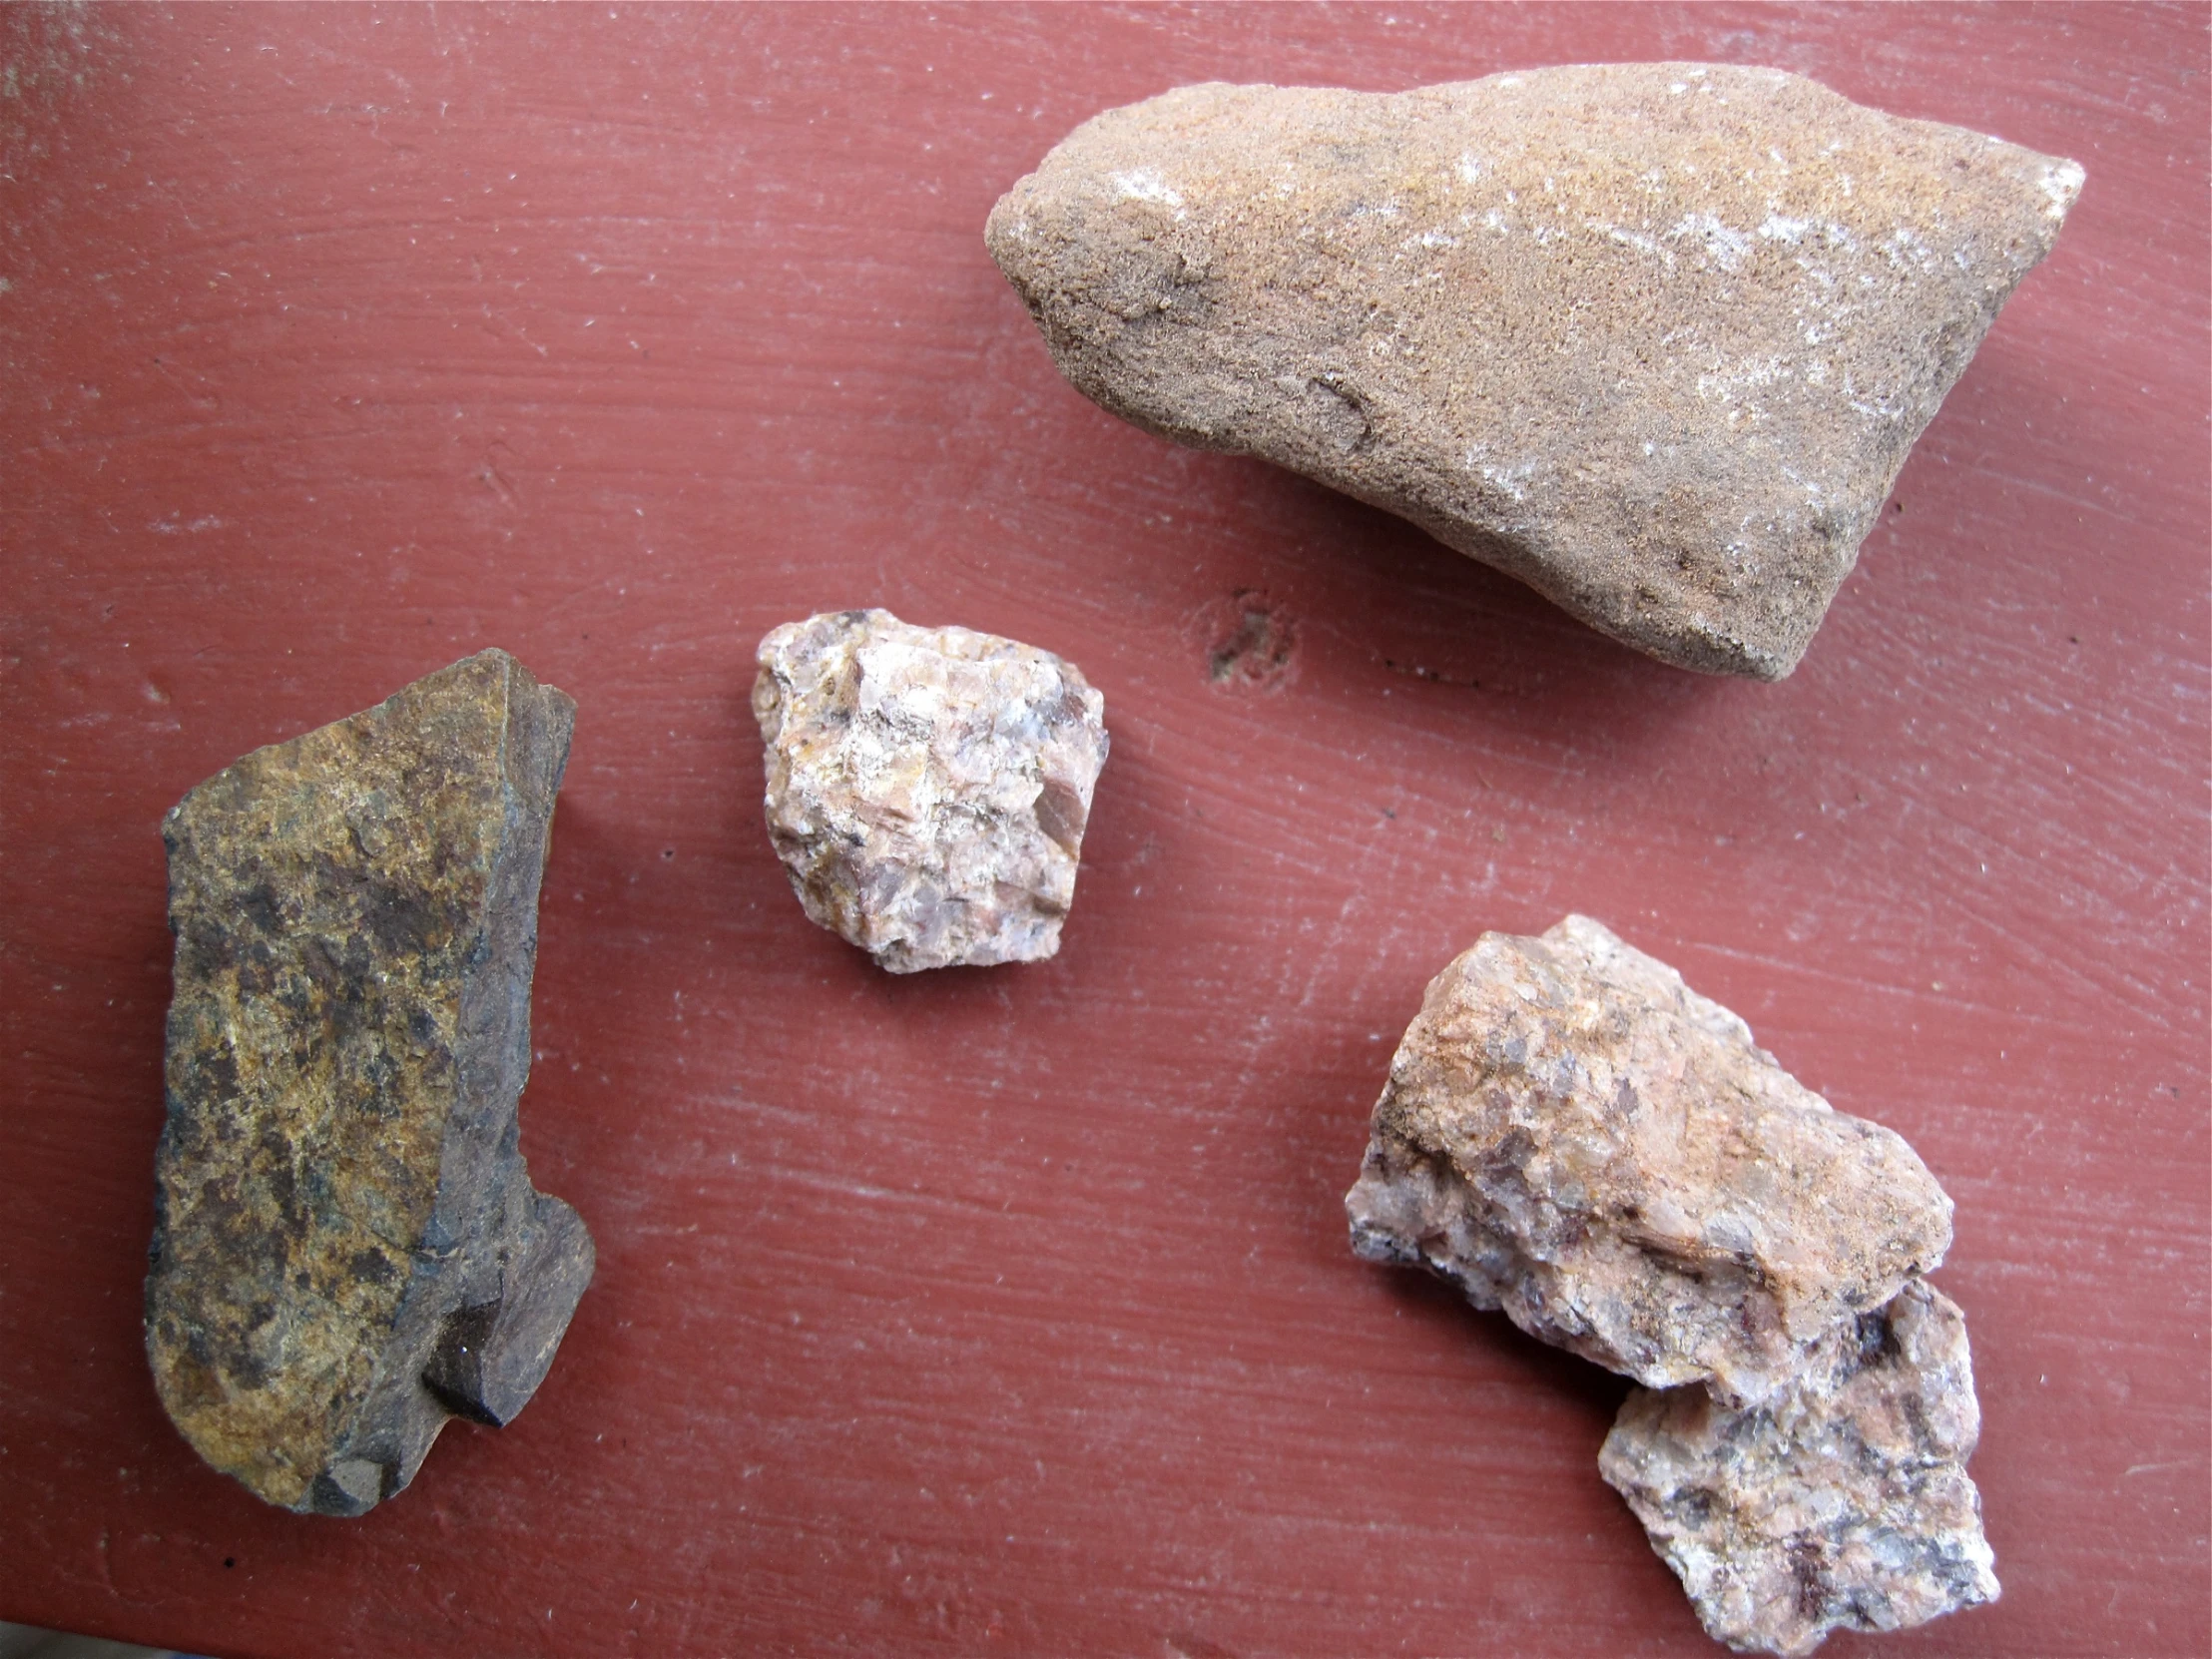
1494 1338
1400 607
22 1641
596 1020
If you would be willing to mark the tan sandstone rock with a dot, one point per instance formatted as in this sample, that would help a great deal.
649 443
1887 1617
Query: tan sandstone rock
927 788
1842 1504
1654 338
1573 1135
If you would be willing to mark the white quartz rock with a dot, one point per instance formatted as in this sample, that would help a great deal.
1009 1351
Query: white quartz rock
927 788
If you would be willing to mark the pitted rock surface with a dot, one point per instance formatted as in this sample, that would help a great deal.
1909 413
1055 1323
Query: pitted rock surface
927 788
1654 338
347 1247
1571 1134
1844 1503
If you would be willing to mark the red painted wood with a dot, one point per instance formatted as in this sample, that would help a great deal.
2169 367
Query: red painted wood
1011 1310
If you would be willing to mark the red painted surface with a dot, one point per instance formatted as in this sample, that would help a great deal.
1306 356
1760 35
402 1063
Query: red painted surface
1011 1310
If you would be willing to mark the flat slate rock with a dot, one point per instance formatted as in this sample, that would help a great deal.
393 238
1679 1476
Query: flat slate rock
927 788
1570 1133
347 1248
1845 1504
1654 338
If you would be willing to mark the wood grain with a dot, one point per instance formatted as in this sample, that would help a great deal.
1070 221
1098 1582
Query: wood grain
1011 1310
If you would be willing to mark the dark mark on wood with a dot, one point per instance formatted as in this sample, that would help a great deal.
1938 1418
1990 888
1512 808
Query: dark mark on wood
1249 640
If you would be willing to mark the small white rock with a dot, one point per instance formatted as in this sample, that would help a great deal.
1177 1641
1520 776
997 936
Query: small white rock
927 788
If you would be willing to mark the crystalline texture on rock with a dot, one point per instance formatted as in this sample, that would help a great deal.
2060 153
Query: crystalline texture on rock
927 788
1571 1134
1654 338
347 1248
1842 1502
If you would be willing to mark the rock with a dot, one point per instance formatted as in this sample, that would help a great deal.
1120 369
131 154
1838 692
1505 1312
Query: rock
1654 338
1844 1503
1573 1135
927 788
347 1249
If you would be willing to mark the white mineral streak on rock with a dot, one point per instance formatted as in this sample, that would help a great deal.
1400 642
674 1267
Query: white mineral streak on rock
1842 1503
927 788
1599 325
1573 1135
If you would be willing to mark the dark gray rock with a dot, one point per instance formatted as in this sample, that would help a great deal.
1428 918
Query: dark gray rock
347 1248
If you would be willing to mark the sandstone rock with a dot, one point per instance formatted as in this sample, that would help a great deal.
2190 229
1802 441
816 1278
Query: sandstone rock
1654 338
347 1248
927 788
1573 1135
1842 1503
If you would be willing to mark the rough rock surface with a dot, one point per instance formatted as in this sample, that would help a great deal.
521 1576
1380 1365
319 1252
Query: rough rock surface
1573 1135
347 1248
927 788
1845 1502
1652 337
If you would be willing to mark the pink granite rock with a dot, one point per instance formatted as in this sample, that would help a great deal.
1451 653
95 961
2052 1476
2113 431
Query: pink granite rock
927 788
1571 1134
1842 1504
